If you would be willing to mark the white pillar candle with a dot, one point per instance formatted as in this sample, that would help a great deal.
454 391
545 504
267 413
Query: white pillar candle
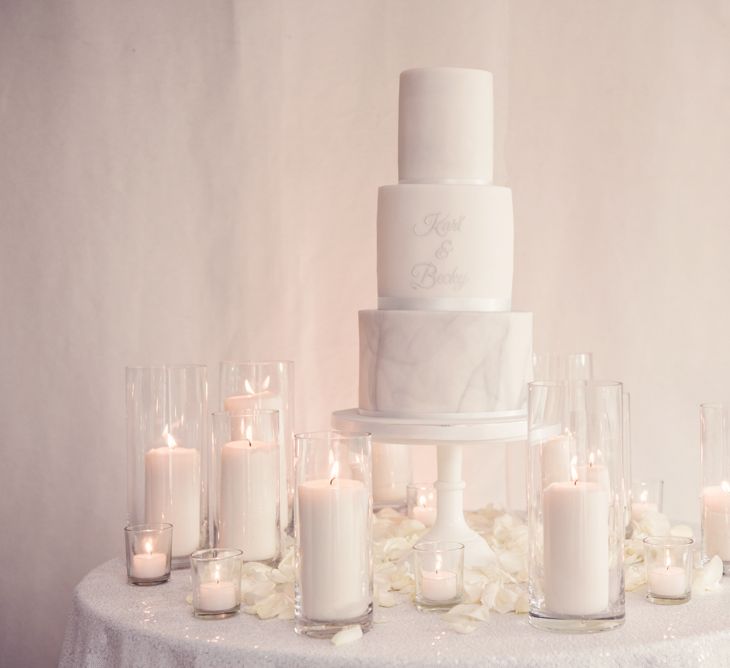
716 520
248 499
148 564
555 461
216 596
575 525
172 493
439 586
269 401
391 473
668 581
334 549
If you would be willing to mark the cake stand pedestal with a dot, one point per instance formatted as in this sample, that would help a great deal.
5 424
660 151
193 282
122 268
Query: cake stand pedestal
450 436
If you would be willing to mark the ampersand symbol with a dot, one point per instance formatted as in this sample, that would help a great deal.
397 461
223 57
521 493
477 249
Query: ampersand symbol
444 250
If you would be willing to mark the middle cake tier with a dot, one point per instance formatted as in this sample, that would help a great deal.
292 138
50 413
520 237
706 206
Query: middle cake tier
444 364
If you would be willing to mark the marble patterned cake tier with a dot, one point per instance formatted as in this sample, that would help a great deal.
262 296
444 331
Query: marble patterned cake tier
417 363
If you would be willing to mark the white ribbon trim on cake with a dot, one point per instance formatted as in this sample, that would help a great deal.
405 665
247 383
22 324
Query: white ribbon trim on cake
443 304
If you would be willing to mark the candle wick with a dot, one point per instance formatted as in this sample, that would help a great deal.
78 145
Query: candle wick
250 445
332 479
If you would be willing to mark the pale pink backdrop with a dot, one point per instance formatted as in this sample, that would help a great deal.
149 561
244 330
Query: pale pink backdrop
189 181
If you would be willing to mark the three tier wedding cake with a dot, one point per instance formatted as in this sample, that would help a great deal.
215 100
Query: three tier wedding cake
443 359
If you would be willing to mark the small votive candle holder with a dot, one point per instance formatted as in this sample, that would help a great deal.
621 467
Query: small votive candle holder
149 553
216 575
439 569
421 500
668 562
646 497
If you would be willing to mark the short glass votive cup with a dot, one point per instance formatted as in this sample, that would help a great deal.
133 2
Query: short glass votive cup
149 553
646 497
668 562
421 503
439 569
216 576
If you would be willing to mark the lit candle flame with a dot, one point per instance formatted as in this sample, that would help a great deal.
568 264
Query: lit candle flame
422 501
667 558
334 470
217 575
148 547
644 495
591 460
169 439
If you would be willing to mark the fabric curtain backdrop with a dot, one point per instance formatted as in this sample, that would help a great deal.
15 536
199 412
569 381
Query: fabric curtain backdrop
190 181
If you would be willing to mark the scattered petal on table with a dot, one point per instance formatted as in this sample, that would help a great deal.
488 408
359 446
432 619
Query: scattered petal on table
707 578
347 635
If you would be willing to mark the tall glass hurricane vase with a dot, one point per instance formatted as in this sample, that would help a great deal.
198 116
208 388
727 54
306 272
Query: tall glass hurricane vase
576 505
244 483
715 452
333 533
268 385
166 462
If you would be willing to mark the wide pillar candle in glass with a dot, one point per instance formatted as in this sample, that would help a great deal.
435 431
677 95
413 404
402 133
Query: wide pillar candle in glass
715 453
333 533
166 437
244 483
576 507
268 385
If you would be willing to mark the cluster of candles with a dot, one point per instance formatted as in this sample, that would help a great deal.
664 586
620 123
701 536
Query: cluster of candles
247 473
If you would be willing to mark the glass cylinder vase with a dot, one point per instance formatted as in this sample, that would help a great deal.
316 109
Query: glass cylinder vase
268 385
244 483
576 505
715 500
166 439
333 526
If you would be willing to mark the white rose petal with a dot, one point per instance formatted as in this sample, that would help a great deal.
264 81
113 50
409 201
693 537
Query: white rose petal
708 578
682 530
654 524
347 635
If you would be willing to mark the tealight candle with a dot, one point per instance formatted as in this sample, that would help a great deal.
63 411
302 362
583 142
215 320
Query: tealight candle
439 586
646 498
216 576
149 564
149 548
217 596
439 569
668 568
421 499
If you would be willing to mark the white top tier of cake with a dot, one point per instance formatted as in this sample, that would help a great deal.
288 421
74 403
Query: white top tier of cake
445 126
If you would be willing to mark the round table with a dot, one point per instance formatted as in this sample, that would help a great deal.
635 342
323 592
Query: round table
115 624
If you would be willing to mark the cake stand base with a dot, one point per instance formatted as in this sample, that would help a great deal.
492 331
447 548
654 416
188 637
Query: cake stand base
450 525
450 436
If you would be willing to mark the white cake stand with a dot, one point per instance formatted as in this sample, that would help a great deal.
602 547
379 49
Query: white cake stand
450 436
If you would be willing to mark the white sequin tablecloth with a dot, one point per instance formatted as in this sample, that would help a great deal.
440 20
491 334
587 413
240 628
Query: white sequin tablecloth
114 624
